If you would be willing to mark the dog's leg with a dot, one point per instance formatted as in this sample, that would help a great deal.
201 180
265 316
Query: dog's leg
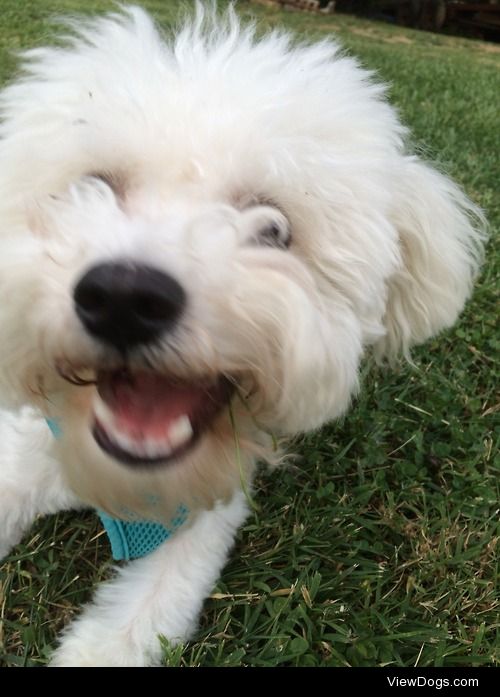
161 593
31 482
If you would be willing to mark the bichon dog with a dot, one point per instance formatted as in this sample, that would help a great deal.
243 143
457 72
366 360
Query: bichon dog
200 236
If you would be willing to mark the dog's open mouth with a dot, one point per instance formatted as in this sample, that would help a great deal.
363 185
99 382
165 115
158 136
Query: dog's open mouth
146 418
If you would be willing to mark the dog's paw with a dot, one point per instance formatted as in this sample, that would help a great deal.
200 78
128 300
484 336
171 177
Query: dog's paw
77 653
84 656
88 643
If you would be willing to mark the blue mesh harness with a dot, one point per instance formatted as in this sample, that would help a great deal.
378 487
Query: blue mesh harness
133 539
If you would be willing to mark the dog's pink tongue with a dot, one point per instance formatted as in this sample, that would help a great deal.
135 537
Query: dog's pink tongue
145 404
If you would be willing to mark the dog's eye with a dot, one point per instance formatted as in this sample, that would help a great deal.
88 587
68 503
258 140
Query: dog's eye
275 234
114 182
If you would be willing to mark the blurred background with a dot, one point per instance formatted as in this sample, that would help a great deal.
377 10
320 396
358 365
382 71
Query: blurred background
475 18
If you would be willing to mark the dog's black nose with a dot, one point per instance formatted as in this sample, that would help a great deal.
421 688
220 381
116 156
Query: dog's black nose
126 304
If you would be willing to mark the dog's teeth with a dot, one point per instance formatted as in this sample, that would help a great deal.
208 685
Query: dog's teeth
149 448
178 434
180 431
103 413
154 448
124 442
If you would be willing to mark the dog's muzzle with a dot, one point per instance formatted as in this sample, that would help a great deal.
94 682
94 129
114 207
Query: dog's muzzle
141 417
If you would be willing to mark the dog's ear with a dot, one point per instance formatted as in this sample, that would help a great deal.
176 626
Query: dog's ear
441 237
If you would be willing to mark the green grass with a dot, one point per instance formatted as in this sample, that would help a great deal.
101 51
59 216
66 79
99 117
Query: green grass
379 545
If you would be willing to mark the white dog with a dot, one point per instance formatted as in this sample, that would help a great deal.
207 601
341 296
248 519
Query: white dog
200 236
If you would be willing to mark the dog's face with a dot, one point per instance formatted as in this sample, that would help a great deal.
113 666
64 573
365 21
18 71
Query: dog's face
197 240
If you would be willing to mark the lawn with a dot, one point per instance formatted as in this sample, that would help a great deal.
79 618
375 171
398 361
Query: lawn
378 546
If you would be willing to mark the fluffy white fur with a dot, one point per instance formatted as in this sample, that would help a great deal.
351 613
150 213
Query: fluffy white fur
175 151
